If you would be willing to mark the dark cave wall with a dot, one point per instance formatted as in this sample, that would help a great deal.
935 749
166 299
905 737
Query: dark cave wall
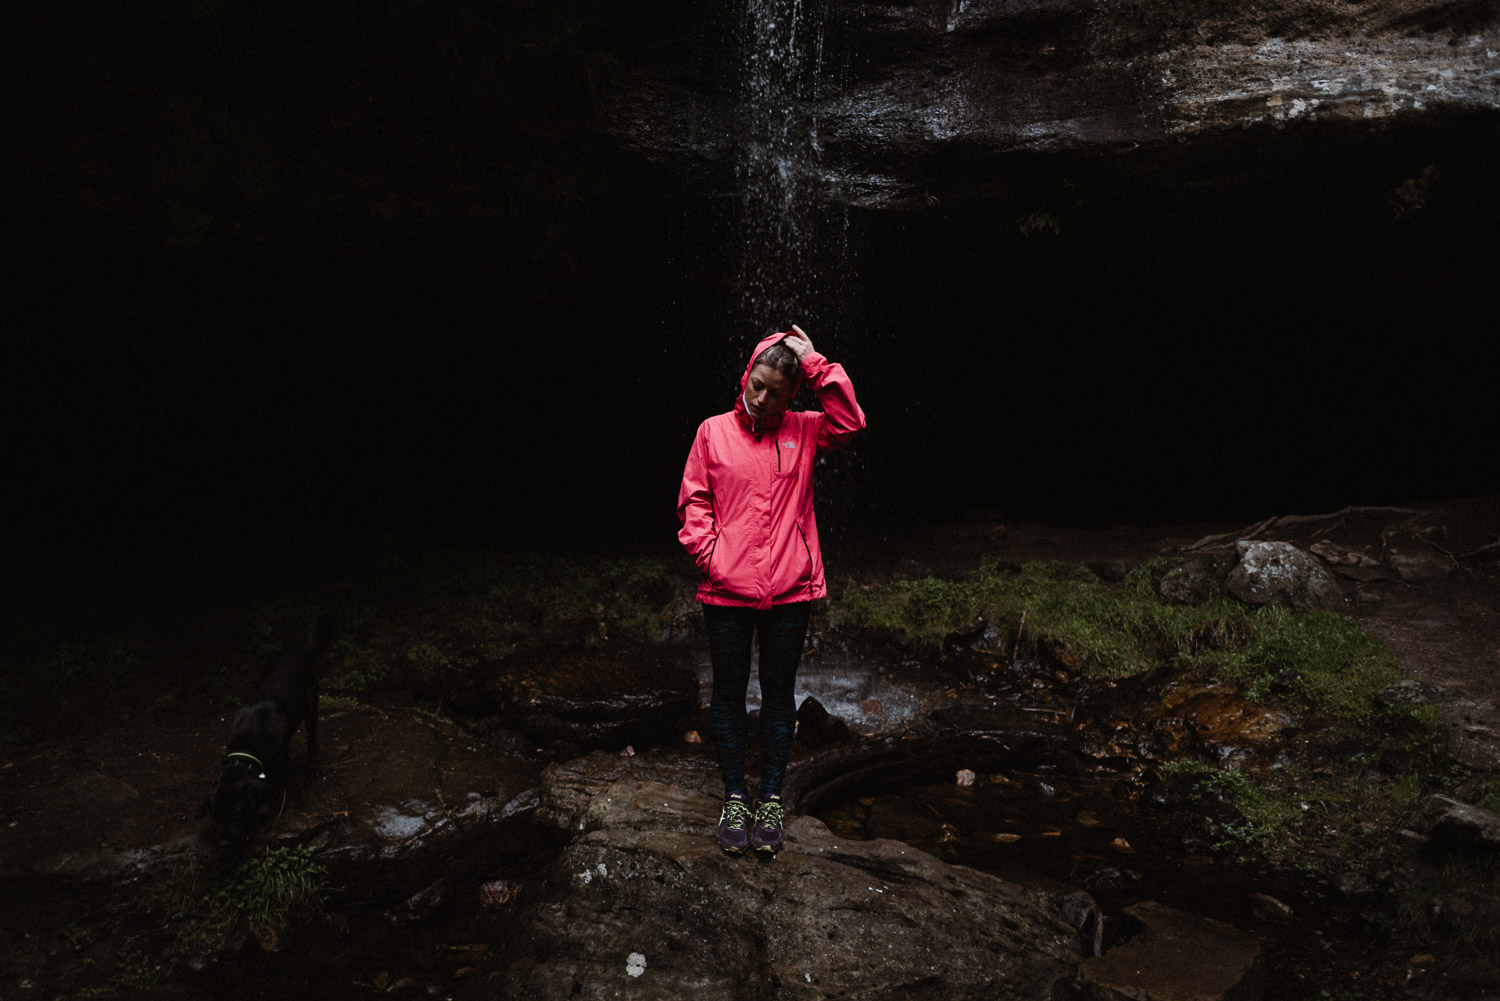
350 268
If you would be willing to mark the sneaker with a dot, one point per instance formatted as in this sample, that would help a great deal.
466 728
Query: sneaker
734 823
765 837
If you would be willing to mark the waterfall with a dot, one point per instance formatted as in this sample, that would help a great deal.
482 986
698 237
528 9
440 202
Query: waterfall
792 244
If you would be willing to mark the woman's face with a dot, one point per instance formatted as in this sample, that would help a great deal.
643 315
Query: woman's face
766 393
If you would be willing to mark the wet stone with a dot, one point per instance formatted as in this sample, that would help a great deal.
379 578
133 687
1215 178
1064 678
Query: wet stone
827 918
1177 957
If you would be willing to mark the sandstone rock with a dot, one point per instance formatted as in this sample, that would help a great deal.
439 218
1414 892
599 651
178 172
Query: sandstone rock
827 918
1177 957
1279 571
942 91
570 787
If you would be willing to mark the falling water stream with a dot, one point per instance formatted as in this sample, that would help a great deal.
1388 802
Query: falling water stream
792 242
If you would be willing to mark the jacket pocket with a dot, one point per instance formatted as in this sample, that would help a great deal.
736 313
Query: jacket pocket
726 566
788 455
812 569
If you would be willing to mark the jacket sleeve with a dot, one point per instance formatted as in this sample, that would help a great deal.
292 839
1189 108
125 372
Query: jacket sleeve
842 416
695 504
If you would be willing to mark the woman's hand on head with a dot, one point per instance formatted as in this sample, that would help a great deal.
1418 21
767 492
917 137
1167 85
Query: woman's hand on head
799 342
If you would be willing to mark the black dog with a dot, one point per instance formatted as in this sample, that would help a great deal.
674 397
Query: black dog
251 788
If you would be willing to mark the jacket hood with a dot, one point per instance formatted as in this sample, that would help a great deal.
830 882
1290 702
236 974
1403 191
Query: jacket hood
739 401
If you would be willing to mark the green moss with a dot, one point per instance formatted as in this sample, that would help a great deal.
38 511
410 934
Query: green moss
1065 613
1280 814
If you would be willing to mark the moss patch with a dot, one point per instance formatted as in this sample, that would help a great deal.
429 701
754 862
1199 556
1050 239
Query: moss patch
1066 613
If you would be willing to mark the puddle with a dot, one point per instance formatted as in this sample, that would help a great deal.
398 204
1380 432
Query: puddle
1088 831
867 696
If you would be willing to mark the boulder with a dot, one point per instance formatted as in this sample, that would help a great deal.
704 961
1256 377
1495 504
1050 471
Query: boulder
1177 957
1189 582
1450 821
1279 571
644 904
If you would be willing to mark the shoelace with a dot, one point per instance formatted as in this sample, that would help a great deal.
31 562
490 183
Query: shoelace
768 813
736 814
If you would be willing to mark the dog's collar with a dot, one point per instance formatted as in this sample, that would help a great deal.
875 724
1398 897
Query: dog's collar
260 768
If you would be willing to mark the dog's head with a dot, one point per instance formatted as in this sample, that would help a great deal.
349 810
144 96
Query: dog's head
241 802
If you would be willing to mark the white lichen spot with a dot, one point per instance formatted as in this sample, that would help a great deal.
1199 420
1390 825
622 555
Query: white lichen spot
586 877
601 870
635 964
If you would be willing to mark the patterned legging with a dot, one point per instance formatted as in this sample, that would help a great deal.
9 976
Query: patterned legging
782 629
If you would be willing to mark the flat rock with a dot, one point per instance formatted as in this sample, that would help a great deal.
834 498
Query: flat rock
645 905
1177 957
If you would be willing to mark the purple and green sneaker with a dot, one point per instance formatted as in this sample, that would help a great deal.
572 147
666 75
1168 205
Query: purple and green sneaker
734 823
765 836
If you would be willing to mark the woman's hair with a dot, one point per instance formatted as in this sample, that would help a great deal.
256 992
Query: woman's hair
781 358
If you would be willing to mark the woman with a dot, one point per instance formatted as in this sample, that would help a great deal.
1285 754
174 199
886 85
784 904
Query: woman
747 519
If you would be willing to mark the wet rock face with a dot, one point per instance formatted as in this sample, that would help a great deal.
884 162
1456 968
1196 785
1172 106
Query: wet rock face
1278 571
898 102
646 905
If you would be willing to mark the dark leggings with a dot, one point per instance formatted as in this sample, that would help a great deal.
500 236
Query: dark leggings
781 630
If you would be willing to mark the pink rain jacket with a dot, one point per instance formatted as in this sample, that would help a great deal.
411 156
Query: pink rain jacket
746 500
